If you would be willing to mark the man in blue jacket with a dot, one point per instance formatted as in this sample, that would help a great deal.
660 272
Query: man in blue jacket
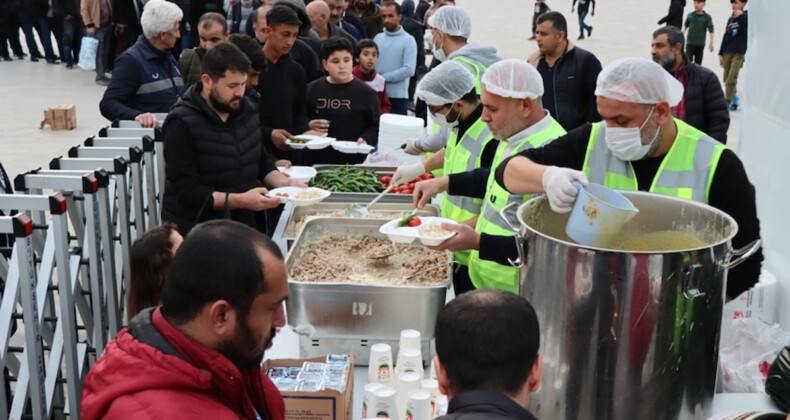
398 57
146 78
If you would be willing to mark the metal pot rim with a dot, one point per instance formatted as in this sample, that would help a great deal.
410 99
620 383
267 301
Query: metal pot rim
725 241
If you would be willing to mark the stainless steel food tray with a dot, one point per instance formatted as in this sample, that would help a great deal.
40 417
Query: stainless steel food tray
353 197
338 317
291 214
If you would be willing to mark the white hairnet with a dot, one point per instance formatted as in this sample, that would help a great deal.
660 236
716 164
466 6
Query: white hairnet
445 84
451 20
640 81
513 78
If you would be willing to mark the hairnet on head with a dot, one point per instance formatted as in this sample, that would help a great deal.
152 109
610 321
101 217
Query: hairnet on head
640 81
451 20
513 78
445 84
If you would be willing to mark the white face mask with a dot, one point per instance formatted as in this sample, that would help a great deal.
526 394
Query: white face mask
438 53
441 120
626 143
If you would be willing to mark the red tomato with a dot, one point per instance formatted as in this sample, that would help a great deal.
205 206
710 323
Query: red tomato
414 222
386 180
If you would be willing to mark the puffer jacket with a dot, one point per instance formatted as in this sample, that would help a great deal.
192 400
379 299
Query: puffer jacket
706 108
151 370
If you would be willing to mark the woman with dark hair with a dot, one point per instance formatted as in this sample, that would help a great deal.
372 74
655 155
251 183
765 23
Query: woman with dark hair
151 256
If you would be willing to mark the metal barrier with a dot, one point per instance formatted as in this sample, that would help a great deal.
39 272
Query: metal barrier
146 144
39 313
89 214
159 149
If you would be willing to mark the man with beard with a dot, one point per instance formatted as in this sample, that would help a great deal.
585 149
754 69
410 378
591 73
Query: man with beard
370 13
703 105
397 57
199 354
346 21
212 29
216 164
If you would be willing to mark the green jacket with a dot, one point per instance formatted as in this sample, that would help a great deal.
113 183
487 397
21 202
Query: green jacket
190 62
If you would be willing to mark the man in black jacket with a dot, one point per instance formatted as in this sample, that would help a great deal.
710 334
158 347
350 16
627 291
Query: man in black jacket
215 161
703 105
674 16
126 15
487 360
569 73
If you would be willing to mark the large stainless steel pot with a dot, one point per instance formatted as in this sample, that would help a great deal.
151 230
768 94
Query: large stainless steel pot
627 335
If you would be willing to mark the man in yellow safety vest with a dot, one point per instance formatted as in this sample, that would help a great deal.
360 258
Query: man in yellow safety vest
512 91
640 146
449 91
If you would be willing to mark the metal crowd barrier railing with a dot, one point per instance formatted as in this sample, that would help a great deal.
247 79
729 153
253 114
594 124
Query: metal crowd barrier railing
73 243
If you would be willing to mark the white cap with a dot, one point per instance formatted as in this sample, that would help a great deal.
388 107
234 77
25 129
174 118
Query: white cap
451 20
513 78
445 84
640 81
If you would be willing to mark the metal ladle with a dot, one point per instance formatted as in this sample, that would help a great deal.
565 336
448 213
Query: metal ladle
364 211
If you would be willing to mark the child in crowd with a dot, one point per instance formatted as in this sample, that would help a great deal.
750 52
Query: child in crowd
733 49
348 105
697 24
150 259
367 54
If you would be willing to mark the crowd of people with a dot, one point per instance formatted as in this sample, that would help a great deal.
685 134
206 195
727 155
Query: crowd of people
238 79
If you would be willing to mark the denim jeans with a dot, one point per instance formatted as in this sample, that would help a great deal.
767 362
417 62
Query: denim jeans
399 106
71 41
103 51
583 15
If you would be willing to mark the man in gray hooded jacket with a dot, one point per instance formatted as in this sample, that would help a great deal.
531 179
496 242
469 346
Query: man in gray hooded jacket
450 30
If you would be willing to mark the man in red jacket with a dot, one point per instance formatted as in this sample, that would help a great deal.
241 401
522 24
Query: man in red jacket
199 354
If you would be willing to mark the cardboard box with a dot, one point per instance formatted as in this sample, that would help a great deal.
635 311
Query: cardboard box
60 117
322 405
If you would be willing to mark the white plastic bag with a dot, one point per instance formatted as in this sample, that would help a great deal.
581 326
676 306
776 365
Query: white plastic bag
747 352
88 49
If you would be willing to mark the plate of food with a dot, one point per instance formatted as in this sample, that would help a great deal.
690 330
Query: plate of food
309 141
299 196
299 173
428 230
352 147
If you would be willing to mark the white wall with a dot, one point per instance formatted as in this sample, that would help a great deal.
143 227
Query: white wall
765 135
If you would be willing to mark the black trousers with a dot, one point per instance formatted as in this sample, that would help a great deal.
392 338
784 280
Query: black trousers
695 52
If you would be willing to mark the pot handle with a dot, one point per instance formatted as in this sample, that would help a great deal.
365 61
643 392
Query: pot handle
743 254
520 245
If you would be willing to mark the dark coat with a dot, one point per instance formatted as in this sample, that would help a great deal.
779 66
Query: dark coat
675 15
706 108
476 405
204 155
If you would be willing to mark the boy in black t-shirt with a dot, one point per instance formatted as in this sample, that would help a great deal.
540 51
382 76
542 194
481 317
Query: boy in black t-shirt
349 106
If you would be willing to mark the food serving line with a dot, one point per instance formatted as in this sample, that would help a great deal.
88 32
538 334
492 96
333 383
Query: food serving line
623 332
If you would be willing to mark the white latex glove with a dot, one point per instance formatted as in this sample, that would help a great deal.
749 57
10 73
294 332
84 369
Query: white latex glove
557 182
407 173
412 149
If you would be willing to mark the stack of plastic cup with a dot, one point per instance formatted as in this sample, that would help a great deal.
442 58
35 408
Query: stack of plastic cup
407 382
380 365
368 399
385 404
419 405
431 386
410 360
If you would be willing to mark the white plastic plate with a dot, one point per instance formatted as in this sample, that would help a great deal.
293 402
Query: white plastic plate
407 235
351 147
289 194
314 143
299 173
